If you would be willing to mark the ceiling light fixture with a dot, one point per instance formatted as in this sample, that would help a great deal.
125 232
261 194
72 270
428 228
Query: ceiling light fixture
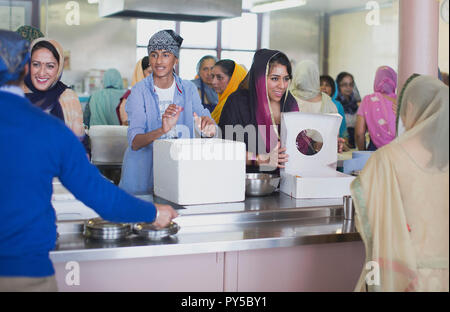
277 5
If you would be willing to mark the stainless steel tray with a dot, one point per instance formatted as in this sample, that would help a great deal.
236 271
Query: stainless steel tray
149 231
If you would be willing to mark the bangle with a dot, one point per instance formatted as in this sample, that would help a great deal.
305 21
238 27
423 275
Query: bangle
157 215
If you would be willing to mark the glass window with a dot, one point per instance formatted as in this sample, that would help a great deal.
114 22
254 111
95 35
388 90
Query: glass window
240 32
140 53
189 59
240 57
146 28
199 35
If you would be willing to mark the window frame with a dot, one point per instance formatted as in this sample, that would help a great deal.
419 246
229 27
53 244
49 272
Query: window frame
219 49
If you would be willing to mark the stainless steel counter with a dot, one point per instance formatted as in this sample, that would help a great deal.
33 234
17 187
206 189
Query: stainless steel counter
258 222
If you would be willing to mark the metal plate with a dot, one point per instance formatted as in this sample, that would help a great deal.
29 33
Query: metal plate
100 224
148 230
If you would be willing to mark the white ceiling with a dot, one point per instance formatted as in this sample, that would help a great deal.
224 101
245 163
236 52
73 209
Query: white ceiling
325 6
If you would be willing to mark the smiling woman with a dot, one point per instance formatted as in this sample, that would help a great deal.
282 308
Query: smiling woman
44 66
45 90
257 105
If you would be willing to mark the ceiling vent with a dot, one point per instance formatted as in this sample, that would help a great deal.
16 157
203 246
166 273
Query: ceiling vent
176 10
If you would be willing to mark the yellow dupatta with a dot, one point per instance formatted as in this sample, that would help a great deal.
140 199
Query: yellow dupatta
138 73
235 80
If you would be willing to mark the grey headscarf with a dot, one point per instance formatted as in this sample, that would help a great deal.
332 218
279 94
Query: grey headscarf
165 40
206 57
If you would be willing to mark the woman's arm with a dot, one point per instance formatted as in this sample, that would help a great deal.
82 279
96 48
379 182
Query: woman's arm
360 133
276 158
73 113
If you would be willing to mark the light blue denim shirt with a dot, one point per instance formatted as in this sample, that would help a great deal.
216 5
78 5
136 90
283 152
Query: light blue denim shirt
144 116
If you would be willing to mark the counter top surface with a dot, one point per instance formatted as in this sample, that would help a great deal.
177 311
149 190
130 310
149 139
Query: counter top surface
258 222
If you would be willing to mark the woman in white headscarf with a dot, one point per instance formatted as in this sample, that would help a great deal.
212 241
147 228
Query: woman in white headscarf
402 198
305 88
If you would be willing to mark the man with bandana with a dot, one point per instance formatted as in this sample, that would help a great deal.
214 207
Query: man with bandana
161 106
36 148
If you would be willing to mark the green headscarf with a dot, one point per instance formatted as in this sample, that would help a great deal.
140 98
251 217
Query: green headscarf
103 103
29 33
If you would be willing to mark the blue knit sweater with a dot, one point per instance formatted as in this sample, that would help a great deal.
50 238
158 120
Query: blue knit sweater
34 148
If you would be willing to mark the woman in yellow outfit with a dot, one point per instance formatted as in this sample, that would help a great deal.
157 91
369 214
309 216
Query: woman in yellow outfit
227 76
401 197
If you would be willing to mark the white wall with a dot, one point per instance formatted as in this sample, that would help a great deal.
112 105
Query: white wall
360 49
443 45
296 33
97 43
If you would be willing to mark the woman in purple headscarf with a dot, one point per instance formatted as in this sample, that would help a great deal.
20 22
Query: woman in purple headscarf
252 114
376 113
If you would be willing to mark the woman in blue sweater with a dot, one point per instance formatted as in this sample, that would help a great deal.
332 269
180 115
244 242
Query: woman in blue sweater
36 148
328 85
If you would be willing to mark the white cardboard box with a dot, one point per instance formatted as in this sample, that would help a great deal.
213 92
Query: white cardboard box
312 176
199 171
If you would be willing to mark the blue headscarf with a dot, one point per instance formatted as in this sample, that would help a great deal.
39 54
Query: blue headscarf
13 56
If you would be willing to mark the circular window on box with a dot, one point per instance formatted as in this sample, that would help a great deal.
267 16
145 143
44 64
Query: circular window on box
309 142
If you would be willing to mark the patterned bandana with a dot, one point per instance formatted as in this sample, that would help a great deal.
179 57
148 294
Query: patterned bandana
165 40
13 56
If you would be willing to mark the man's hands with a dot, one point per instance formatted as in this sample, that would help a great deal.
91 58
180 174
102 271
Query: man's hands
165 214
205 124
170 117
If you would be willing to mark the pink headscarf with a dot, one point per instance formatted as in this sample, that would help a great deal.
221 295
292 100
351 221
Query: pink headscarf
385 80
377 110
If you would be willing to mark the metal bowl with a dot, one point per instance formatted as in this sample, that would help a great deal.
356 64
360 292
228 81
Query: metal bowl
149 231
100 229
261 184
